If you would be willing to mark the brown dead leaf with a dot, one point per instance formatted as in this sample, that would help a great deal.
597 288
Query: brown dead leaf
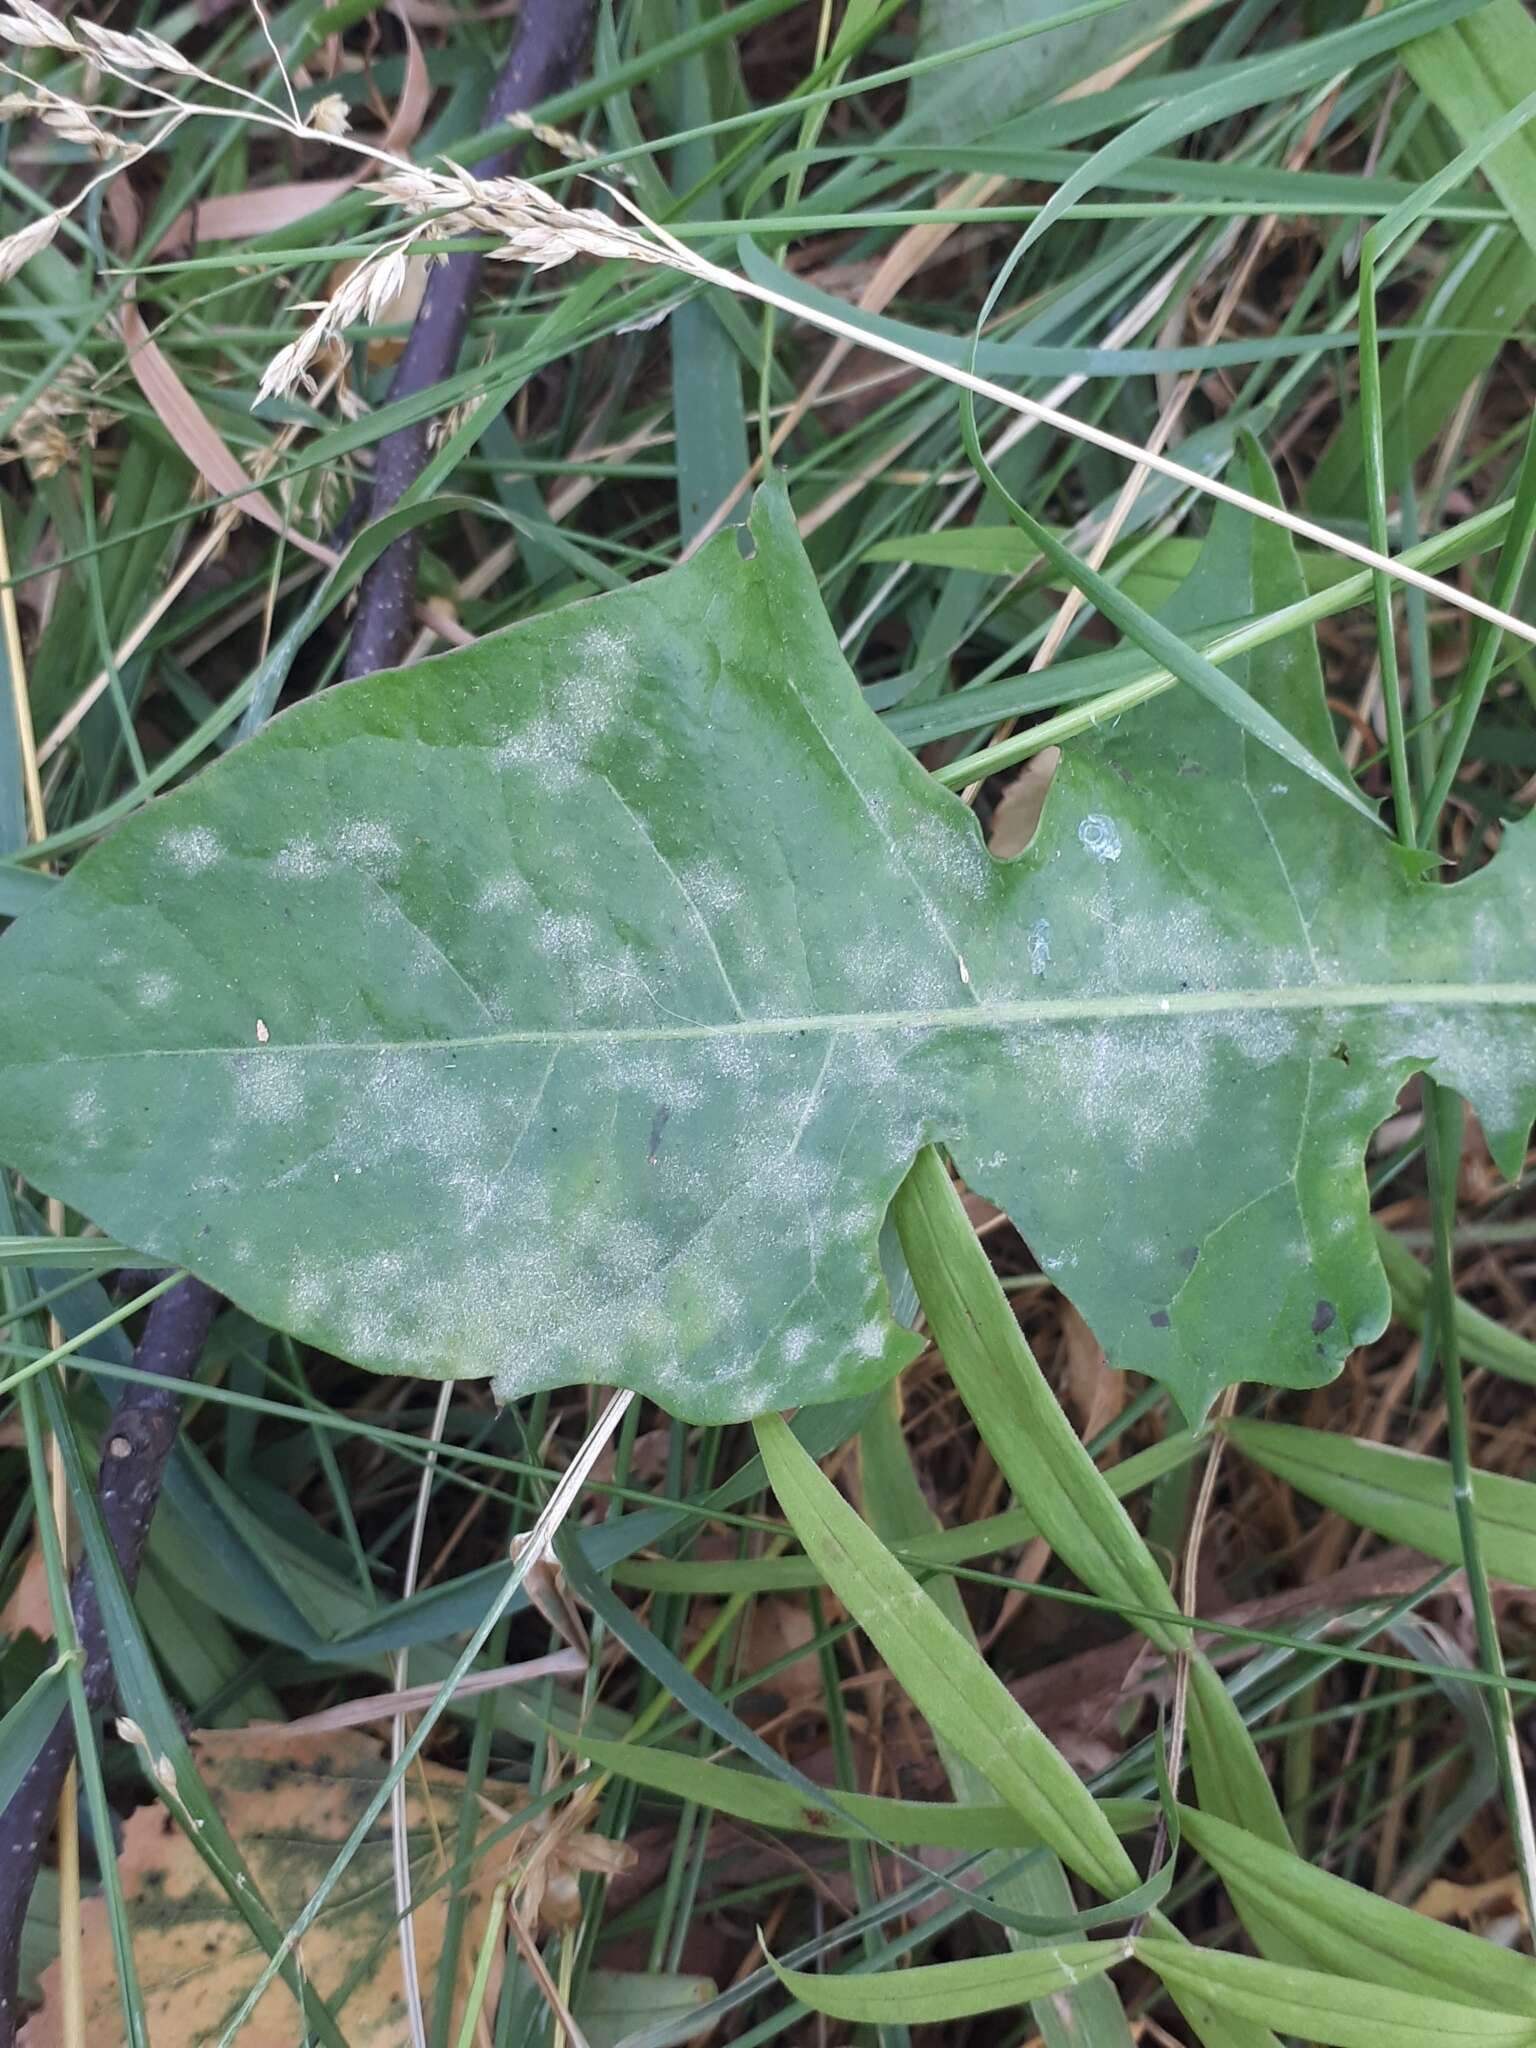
29 1607
1019 806
1095 1391
781 1628
289 1805
1474 1905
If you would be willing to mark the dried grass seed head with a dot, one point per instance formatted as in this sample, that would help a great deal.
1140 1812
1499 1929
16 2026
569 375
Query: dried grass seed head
329 116
19 249
32 27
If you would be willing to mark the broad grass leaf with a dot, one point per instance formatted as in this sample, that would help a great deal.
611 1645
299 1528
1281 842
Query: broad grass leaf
966 1704
935 1992
769 1803
1335 2012
1400 1494
1337 1926
290 1804
1020 1420
571 1007
613 2004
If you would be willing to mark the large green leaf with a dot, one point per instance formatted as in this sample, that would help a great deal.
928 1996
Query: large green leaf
985 90
570 1008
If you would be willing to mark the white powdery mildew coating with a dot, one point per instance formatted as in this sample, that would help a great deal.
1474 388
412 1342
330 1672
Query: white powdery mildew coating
592 698
616 988
1100 836
633 1250
950 850
192 848
384 1292
926 985
414 1104
1132 1088
1262 1037
857 1223
367 843
84 1108
268 1089
556 745
154 991
875 971
300 860
1183 948
506 891
571 939
543 749
711 887
733 1058
1040 945
1488 1058
796 1343
868 1340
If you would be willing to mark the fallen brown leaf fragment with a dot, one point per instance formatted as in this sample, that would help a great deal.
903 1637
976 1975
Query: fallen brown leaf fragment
289 1805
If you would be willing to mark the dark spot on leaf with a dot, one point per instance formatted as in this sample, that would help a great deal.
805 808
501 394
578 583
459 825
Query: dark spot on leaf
1189 1258
1324 1316
815 1820
1340 1053
1159 1319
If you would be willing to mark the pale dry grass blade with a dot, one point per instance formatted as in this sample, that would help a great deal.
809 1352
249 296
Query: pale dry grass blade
399 1839
383 1706
21 701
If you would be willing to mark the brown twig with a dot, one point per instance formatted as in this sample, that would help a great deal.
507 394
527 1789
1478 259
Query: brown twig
549 49
135 1448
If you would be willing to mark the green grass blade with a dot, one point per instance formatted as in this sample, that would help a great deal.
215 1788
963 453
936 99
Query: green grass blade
936 1992
1086 2016
27 1726
1475 71
1039 1453
1400 1494
1483 1341
1350 1932
779 1807
1335 2012
964 1702
1007 1396
1158 641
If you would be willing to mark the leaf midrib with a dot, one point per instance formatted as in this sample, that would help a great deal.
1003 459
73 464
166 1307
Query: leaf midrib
981 1016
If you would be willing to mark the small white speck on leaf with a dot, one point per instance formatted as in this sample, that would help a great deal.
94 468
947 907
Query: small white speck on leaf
965 972
262 1033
